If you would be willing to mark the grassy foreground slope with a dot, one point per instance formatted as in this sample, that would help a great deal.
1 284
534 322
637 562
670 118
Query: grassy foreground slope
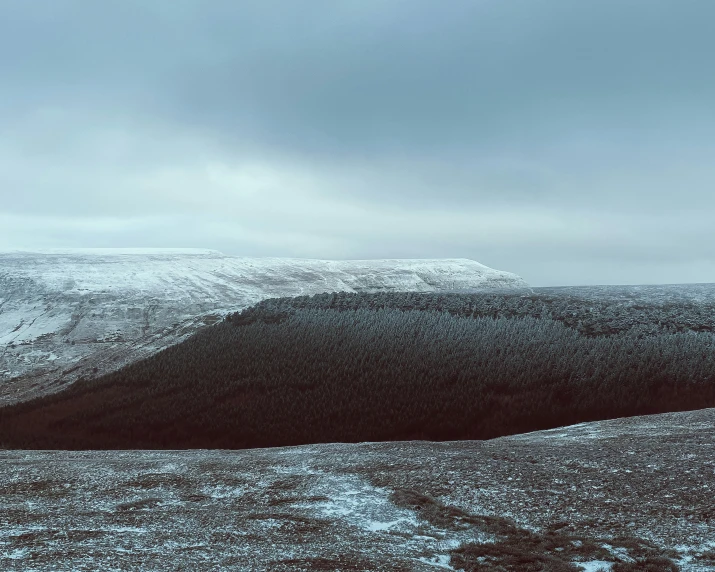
382 367
625 495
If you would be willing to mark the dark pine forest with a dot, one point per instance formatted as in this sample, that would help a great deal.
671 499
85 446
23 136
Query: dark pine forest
390 366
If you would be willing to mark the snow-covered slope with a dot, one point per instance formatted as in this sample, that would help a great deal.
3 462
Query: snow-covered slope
65 312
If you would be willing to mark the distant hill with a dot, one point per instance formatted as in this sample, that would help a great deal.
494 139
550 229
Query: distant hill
395 366
66 314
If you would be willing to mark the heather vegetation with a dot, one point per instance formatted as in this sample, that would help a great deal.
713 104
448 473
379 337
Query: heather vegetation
375 367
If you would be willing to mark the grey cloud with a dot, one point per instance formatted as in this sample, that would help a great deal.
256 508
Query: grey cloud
371 76
478 76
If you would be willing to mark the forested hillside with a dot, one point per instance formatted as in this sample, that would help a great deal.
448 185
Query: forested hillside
592 310
373 367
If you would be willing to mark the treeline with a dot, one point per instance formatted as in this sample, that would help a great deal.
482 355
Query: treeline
594 311
292 372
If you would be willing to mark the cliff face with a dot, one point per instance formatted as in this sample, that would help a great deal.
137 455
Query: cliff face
66 314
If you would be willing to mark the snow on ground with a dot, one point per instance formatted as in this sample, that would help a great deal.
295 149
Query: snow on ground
65 312
335 506
597 566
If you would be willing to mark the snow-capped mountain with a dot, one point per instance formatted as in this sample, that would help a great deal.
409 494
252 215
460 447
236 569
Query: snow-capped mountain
65 314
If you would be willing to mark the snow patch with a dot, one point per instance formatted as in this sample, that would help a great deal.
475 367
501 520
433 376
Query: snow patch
438 561
16 554
123 529
376 526
362 505
595 566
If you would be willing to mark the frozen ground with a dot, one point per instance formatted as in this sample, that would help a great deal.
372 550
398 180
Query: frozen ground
584 496
65 313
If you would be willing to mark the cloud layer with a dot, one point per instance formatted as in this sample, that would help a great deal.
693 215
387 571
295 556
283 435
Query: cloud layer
568 142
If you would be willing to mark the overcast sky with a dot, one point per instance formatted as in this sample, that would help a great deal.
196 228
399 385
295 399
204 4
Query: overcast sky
571 142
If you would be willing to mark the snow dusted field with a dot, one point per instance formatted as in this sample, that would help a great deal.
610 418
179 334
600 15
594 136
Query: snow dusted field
64 313
591 495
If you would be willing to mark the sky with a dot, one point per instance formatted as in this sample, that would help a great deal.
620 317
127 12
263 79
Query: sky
568 142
